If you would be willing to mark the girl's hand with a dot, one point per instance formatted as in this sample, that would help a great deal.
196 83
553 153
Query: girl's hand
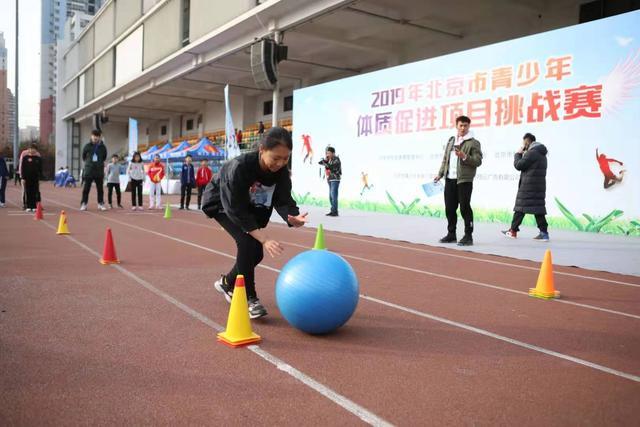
298 221
273 248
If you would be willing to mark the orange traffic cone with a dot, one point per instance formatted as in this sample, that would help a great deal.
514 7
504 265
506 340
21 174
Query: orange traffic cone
39 211
109 252
544 287
63 227
238 332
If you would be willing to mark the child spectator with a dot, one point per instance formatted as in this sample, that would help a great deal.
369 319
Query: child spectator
135 170
187 182
155 173
203 176
113 180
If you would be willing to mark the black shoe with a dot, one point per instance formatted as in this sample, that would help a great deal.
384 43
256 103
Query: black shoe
332 214
181 208
188 208
449 238
223 287
256 309
467 240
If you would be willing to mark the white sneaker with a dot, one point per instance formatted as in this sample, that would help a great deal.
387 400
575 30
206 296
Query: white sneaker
27 210
151 207
133 208
83 207
140 208
102 208
2 205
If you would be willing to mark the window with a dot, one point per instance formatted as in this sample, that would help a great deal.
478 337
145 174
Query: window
186 6
288 103
190 124
163 130
267 108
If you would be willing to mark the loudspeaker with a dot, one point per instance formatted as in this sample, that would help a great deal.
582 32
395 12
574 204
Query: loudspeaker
265 56
97 122
599 9
99 119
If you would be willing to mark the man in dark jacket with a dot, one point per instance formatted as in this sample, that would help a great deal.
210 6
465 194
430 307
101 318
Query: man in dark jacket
30 172
94 154
531 161
334 173
462 156
4 177
187 182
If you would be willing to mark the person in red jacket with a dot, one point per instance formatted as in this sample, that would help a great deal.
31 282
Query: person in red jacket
203 176
155 174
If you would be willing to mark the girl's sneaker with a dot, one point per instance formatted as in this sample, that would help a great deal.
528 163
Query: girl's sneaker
256 309
224 288
542 237
102 208
133 208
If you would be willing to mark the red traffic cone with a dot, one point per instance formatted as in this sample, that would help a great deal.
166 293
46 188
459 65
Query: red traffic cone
39 212
109 252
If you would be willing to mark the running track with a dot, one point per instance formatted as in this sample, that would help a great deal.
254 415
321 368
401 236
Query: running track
439 337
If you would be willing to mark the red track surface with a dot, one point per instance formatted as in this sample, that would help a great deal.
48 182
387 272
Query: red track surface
85 343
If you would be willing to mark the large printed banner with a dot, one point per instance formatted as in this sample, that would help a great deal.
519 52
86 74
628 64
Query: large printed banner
576 89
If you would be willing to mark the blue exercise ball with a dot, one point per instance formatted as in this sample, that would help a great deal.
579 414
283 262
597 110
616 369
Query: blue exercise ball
317 291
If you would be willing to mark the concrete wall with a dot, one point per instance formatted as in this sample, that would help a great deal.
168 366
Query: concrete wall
115 137
207 15
214 115
162 33
259 104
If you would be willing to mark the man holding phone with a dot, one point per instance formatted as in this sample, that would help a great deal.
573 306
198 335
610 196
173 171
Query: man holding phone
462 156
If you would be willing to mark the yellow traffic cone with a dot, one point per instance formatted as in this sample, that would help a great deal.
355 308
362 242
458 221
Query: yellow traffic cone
167 212
545 287
238 332
63 227
319 244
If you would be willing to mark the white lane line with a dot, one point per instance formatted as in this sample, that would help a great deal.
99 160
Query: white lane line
466 257
522 344
342 401
451 278
143 213
390 304
449 254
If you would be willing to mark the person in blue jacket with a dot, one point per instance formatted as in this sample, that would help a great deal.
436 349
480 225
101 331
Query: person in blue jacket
187 182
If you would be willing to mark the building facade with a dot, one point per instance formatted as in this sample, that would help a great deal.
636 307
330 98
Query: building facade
166 63
7 103
54 15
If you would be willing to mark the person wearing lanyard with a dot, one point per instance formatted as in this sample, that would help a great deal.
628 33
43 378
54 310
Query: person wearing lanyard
94 154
